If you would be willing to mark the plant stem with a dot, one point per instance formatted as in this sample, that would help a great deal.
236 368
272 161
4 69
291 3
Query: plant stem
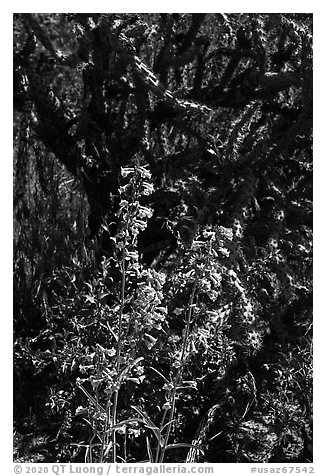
179 374
119 349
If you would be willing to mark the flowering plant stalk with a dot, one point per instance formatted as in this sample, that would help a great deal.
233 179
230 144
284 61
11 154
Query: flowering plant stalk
125 326
133 218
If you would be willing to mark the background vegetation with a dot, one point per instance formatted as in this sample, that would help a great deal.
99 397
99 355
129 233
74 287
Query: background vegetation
163 237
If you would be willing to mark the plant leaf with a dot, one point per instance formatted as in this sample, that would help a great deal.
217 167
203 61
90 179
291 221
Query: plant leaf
149 450
159 373
150 424
184 445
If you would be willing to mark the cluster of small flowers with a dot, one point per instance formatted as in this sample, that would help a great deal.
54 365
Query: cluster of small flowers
133 216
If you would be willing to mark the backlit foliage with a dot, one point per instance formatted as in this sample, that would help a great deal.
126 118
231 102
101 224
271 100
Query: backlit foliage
163 237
